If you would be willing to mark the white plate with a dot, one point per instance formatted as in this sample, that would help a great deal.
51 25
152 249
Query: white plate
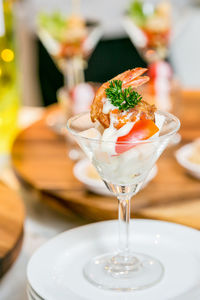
32 294
96 185
55 270
182 156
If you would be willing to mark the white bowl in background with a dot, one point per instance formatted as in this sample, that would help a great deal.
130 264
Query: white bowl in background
182 156
95 184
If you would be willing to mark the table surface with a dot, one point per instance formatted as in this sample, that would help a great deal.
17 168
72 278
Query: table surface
12 217
40 161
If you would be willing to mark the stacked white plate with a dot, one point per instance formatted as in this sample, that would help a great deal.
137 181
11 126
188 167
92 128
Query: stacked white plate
32 295
55 270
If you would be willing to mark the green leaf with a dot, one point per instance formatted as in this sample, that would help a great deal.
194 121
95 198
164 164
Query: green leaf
123 99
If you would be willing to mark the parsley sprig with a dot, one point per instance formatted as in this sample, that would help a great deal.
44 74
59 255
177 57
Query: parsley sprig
122 98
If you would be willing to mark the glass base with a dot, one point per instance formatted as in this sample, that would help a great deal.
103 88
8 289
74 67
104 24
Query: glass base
117 272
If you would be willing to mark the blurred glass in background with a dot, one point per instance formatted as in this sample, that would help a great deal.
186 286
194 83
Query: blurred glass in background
151 26
70 41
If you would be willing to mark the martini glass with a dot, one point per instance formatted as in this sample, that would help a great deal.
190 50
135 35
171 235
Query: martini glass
70 51
152 27
123 174
149 24
71 62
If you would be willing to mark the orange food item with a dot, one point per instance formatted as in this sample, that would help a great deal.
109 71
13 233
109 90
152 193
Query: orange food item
141 130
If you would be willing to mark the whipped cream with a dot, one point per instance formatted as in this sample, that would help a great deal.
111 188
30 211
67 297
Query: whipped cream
111 134
107 106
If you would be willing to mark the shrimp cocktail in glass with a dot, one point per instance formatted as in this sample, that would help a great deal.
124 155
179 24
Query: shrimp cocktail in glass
123 136
70 40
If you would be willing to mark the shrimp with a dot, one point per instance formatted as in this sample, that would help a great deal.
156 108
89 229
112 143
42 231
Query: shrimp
129 78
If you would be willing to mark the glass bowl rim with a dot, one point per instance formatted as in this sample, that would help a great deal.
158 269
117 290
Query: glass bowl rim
150 140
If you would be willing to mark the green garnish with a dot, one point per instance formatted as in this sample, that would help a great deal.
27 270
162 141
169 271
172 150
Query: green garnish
122 98
55 24
138 13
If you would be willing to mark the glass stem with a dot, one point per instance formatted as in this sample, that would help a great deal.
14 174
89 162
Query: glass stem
69 77
124 223
74 72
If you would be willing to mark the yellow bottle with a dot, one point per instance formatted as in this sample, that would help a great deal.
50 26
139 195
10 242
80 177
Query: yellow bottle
9 89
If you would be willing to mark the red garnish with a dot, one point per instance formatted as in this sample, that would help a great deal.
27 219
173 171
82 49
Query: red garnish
141 130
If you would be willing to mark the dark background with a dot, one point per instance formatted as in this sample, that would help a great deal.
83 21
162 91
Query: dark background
110 58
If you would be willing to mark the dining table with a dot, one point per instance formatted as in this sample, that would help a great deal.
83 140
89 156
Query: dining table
39 169
41 162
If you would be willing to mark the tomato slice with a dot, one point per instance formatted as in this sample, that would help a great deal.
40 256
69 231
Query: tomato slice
141 130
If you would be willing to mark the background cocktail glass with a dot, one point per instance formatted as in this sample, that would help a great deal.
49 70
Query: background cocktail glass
69 50
123 174
152 27
71 62
149 26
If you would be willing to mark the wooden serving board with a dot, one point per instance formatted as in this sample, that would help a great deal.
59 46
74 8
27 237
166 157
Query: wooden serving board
11 227
40 160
